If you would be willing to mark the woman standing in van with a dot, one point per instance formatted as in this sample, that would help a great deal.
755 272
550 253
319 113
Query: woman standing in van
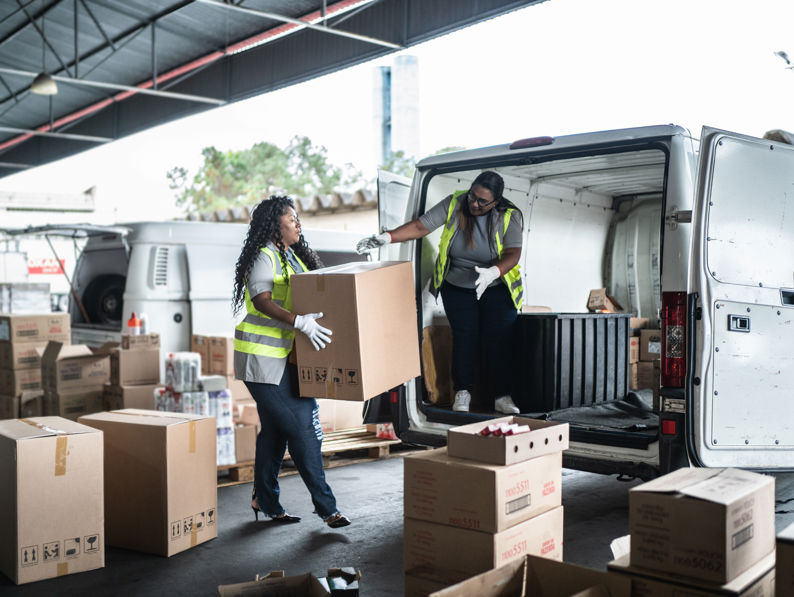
274 249
477 274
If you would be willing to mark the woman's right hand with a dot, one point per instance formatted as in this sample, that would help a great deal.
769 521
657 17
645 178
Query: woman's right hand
373 242
318 335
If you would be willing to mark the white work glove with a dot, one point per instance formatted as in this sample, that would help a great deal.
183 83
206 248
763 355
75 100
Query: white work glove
319 335
487 275
373 242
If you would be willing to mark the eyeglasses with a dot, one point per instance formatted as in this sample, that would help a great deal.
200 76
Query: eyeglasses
479 200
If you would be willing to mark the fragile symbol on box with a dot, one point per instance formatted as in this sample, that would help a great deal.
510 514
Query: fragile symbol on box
91 544
211 517
176 530
338 375
52 551
306 374
187 525
30 555
71 547
199 518
320 374
351 376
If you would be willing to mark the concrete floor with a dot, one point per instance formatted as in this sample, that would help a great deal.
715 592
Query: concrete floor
596 511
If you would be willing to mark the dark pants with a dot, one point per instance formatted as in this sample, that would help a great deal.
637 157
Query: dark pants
288 419
481 330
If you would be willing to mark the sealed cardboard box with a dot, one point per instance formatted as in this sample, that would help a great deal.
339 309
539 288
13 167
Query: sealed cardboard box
371 309
9 407
119 397
707 524
634 349
135 367
201 345
68 368
480 496
785 561
71 404
544 437
757 581
541 577
35 328
221 351
21 355
140 341
244 443
15 381
650 345
161 492
641 375
51 492
600 302
463 550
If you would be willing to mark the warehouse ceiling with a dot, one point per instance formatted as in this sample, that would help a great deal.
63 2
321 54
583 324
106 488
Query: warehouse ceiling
122 66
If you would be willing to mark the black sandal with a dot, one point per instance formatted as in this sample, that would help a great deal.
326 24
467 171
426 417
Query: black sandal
338 520
285 518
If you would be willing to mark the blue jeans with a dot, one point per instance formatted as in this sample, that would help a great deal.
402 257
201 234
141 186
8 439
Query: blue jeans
481 330
288 419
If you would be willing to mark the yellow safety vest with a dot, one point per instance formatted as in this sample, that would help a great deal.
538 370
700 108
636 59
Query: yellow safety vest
512 278
260 334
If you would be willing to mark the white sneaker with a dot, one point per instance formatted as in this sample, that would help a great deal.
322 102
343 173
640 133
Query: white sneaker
506 406
462 401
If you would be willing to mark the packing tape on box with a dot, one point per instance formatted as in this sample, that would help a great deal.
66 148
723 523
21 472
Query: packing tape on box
330 389
63 569
320 286
192 439
194 536
60 445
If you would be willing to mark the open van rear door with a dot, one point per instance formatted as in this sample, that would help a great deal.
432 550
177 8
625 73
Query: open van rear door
393 193
740 378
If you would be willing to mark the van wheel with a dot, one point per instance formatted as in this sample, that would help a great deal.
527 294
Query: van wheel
103 299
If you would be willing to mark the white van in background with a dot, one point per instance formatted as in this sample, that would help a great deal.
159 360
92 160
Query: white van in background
696 235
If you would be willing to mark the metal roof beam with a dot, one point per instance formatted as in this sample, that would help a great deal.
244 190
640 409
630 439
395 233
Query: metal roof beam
98 25
302 24
72 136
44 37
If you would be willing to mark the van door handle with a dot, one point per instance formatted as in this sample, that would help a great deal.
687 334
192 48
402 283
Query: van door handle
787 297
738 323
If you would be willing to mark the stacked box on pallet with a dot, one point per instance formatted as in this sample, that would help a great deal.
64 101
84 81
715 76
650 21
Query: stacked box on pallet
73 378
484 501
702 532
22 341
134 372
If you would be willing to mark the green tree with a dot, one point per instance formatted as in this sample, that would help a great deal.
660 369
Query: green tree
399 163
240 177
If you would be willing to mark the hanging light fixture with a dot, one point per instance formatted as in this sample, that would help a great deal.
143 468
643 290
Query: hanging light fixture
43 84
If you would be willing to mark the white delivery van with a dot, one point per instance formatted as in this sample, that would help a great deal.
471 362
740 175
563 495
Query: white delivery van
179 274
696 235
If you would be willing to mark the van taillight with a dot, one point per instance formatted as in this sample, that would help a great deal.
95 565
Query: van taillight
673 339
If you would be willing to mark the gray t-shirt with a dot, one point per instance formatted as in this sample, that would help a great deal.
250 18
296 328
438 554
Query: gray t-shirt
463 257
260 278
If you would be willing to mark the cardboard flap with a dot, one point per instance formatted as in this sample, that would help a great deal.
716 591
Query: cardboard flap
17 429
107 348
135 416
677 480
726 486
59 351
355 267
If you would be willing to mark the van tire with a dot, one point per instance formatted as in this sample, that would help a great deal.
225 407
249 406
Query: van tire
103 299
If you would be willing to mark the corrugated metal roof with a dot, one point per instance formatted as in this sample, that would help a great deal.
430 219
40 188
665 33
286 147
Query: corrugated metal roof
205 48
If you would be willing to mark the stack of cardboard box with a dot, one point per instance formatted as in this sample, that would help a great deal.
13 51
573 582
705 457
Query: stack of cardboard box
73 378
702 532
645 351
483 501
134 372
22 339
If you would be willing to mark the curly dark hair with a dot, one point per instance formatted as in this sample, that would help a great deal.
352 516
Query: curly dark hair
265 226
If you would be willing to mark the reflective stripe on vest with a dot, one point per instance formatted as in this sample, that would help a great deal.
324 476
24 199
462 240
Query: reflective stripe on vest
512 278
260 334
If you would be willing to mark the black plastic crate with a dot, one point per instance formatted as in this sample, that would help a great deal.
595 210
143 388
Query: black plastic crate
570 359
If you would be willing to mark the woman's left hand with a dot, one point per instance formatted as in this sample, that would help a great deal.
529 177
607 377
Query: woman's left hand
487 275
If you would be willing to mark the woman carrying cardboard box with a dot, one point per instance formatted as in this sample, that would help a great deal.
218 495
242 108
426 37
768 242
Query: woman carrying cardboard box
477 274
274 249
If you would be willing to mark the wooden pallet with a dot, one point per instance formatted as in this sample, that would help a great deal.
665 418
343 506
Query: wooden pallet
336 443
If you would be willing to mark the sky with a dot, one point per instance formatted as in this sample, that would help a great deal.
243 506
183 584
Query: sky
559 67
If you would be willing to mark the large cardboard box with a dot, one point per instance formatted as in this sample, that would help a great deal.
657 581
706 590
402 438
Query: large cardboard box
544 437
650 345
539 577
35 328
463 550
201 345
480 496
72 404
134 367
21 355
68 368
244 443
371 309
15 381
634 349
785 561
140 341
161 491
51 499
120 397
707 524
221 353
757 581
238 389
